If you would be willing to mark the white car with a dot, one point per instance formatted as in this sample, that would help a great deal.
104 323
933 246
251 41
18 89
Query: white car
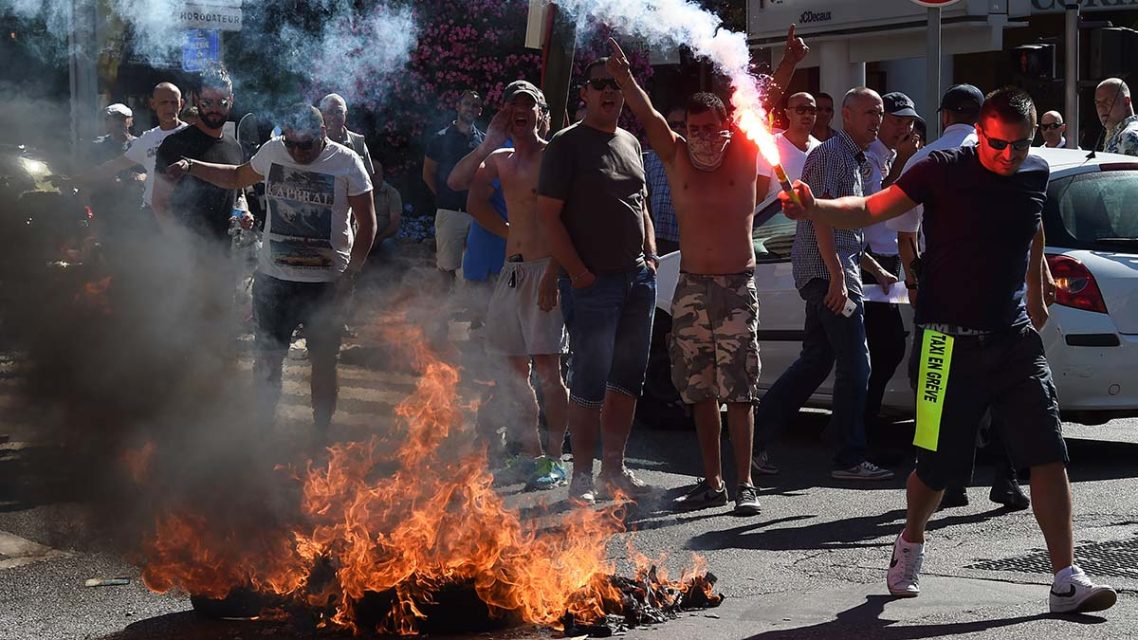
1091 224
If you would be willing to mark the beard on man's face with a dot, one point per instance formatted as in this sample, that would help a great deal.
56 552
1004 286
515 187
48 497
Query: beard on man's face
213 119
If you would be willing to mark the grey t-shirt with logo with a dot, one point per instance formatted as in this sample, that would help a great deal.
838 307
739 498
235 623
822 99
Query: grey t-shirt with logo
600 178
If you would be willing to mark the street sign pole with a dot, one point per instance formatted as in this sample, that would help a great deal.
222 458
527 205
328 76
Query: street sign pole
932 71
1071 75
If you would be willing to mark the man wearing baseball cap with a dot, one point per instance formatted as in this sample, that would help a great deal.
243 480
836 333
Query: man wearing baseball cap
524 322
117 121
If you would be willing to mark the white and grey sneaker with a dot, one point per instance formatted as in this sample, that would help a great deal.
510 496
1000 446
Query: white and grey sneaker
762 465
864 471
904 576
701 496
1073 592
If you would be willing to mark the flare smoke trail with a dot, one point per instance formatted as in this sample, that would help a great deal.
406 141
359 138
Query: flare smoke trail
671 23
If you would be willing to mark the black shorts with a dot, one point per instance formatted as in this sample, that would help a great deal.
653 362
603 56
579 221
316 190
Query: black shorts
1005 373
280 306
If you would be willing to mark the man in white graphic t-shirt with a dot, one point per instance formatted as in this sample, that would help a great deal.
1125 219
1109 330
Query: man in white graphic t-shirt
310 256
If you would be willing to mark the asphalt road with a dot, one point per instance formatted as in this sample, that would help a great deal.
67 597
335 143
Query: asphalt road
811 565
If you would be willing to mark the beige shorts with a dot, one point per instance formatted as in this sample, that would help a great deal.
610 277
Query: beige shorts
451 229
515 324
714 340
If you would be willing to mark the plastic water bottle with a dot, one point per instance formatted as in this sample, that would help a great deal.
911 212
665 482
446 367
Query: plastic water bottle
236 233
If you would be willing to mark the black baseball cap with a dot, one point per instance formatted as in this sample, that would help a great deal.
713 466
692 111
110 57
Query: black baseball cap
899 104
962 98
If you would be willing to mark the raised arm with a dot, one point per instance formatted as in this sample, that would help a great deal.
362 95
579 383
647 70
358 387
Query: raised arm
463 173
660 136
851 212
792 55
481 190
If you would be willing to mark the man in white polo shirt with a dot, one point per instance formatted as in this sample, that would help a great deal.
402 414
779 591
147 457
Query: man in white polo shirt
310 257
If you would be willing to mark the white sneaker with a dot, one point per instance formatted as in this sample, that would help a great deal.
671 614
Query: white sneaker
1073 592
904 577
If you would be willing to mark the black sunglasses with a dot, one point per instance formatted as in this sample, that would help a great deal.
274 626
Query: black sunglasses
1050 125
803 109
1000 145
600 84
207 103
303 146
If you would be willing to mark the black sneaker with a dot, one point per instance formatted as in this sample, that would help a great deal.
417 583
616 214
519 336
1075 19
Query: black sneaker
747 500
1006 491
701 496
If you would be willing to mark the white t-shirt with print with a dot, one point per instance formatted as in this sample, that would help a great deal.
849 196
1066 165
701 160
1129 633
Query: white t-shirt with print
142 151
790 157
308 236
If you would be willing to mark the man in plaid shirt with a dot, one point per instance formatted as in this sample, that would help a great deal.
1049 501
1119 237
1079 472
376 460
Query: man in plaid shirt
826 272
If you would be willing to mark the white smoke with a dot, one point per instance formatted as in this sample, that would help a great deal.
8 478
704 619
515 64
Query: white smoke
672 23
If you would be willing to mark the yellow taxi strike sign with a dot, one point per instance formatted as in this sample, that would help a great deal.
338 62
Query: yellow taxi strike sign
932 385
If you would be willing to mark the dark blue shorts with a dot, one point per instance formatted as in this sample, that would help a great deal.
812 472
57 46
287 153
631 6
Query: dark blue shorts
1007 373
610 331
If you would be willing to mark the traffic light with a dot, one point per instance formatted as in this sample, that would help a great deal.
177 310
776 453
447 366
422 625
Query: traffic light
1033 61
1114 52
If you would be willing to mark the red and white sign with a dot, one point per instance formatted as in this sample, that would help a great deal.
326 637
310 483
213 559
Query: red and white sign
935 4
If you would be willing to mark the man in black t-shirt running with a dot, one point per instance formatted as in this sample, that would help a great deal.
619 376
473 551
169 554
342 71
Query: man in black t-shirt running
979 351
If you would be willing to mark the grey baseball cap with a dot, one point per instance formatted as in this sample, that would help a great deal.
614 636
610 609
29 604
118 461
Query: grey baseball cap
528 88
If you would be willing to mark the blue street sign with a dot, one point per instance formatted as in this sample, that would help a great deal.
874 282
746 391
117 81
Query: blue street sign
201 47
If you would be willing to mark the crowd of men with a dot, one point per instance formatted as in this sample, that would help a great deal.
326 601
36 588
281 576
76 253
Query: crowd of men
562 236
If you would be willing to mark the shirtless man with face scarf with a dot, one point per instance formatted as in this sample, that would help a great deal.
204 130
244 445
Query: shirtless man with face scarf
714 340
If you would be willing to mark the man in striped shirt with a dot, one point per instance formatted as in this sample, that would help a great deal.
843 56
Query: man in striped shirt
826 272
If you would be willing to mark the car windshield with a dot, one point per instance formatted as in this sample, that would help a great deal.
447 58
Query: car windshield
1099 208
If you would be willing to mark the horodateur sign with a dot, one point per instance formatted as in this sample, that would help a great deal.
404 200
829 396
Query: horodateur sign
222 16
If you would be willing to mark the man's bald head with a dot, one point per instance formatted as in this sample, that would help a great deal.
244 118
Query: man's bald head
335 111
166 101
1112 101
333 99
1051 127
862 112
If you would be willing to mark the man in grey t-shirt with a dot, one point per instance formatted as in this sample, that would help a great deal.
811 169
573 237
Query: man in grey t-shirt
591 203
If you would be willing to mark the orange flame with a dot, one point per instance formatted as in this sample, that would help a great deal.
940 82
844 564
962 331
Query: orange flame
408 514
751 123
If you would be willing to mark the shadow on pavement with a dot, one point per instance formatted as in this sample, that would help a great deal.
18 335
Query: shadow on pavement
865 622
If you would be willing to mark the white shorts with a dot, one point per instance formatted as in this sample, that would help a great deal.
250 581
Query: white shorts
515 324
451 229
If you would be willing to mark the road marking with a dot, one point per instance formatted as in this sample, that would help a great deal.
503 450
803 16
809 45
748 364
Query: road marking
17 552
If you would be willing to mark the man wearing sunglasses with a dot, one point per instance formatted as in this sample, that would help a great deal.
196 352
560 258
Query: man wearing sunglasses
189 203
591 209
793 144
310 256
1051 129
979 351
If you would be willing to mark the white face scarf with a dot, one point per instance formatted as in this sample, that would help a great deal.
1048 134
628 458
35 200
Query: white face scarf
707 150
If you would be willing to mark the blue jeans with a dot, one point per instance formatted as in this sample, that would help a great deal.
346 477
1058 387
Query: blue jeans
829 338
610 331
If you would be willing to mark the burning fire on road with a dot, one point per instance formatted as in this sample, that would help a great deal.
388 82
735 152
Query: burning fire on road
393 531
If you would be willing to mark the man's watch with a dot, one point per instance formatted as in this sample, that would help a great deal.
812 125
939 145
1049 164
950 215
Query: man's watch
653 257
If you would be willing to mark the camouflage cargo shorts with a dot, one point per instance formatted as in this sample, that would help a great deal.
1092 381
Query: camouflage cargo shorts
714 343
